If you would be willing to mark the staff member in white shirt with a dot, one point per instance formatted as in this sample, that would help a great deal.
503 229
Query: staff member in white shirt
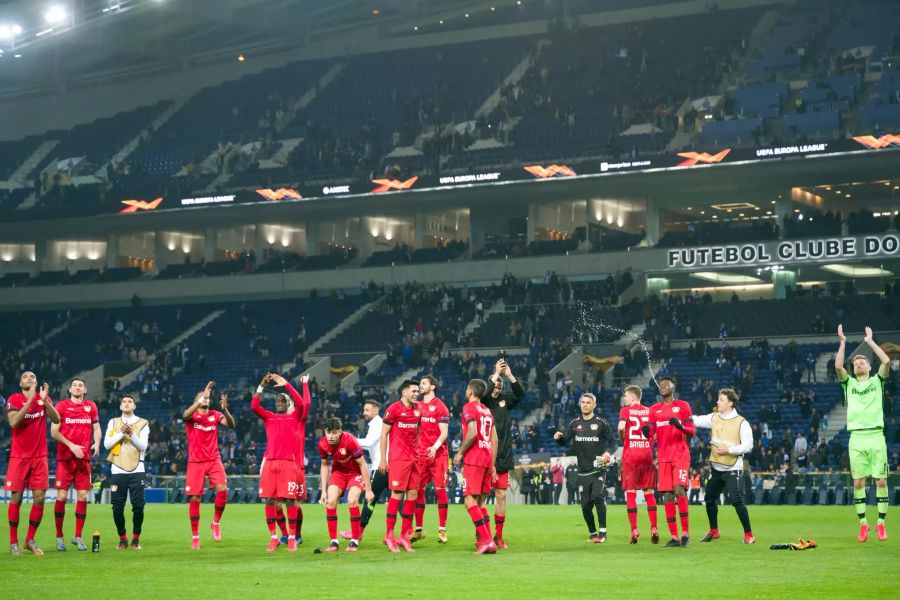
126 439
371 444
732 438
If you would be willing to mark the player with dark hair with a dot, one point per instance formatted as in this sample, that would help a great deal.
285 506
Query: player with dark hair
401 430
477 455
127 438
300 453
671 424
592 442
638 472
278 478
204 461
500 401
27 413
371 444
732 438
348 471
865 422
78 439
433 456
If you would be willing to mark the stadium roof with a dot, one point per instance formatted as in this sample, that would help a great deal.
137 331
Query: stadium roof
96 39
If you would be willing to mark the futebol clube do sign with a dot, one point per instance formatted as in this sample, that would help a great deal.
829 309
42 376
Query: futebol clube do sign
761 253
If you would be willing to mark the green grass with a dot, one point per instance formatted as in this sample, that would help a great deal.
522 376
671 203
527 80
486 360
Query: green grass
548 558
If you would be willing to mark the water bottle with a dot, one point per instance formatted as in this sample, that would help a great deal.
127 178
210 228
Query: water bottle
95 547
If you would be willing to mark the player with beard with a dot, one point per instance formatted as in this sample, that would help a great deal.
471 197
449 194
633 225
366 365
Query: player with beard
78 439
501 399
433 456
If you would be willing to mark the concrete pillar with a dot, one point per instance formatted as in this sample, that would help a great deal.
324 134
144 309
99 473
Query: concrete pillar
653 229
210 241
112 251
41 255
657 285
160 252
534 221
781 281
782 208
419 229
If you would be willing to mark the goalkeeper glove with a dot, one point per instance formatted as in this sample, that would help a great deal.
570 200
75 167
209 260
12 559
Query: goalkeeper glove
676 423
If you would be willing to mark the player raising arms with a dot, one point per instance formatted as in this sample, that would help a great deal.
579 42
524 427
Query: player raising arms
865 422
27 413
671 424
500 401
204 461
477 454
348 470
401 429
278 478
78 439
638 472
432 455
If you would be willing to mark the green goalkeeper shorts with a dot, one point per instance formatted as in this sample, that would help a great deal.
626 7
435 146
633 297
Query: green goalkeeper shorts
868 454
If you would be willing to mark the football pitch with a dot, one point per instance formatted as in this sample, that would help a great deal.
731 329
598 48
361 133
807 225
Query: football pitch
548 557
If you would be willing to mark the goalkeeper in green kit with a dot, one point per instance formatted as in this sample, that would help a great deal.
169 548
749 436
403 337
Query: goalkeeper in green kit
865 422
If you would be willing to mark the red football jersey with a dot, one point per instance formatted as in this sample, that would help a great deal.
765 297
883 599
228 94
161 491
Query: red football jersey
29 439
203 436
404 432
636 450
282 430
343 455
476 414
76 424
433 414
671 443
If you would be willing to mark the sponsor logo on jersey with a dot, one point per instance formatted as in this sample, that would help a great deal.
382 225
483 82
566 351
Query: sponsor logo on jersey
594 426
587 438
502 403
675 409
432 408
87 409
36 415
416 413
211 418
71 421
204 427
343 451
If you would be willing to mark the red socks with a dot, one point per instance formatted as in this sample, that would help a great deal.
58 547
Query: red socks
650 499
34 521
331 517
499 520
670 519
299 519
12 513
683 513
292 520
194 512
409 508
481 528
279 518
487 521
221 501
59 511
355 530
420 509
80 516
393 506
631 504
443 502
270 519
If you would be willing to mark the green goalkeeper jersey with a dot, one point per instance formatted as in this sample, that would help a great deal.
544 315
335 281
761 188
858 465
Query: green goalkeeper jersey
865 408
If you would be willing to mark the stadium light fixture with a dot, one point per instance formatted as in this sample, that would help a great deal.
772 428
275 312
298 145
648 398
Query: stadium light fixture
55 14
8 32
857 271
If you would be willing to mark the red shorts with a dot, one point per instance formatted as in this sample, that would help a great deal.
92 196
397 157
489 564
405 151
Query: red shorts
403 475
73 471
346 480
672 474
301 483
434 470
502 482
278 479
478 480
27 473
197 472
638 477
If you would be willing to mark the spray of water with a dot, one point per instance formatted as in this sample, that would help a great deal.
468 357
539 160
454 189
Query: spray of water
590 321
